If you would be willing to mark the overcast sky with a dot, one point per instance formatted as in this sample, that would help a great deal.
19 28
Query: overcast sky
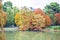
32 3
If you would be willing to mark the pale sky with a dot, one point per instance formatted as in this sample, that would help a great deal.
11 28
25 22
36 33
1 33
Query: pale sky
32 3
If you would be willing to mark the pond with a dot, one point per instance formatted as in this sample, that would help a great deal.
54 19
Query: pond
31 35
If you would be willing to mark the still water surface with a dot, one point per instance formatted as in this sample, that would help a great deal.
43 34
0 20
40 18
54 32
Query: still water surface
30 35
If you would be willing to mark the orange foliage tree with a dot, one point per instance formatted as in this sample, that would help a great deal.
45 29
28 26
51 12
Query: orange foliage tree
57 18
26 19
38 22
48 21
22 18
3 17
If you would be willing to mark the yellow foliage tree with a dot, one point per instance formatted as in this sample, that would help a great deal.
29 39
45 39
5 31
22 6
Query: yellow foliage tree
3 17
38 22
26 19
22 18
48 20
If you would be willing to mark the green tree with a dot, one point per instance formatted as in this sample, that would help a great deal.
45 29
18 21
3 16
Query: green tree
10 11
53 6
51 9
7 4
11 14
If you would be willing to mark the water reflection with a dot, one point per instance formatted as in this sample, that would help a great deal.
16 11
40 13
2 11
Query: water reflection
37 35
2 35
29 35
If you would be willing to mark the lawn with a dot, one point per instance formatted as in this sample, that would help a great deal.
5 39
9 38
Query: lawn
54 27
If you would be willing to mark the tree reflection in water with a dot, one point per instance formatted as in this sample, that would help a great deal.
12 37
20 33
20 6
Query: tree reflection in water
2 35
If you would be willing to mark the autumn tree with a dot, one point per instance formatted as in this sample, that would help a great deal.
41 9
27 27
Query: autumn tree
3 17
57 18
48 20
51 9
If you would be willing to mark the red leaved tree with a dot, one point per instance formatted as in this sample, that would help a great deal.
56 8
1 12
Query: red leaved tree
57 18
47 18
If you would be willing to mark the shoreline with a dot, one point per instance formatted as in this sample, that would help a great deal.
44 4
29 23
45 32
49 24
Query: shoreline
16 29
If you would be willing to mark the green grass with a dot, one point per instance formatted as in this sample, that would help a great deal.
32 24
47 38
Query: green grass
54 27
30 35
